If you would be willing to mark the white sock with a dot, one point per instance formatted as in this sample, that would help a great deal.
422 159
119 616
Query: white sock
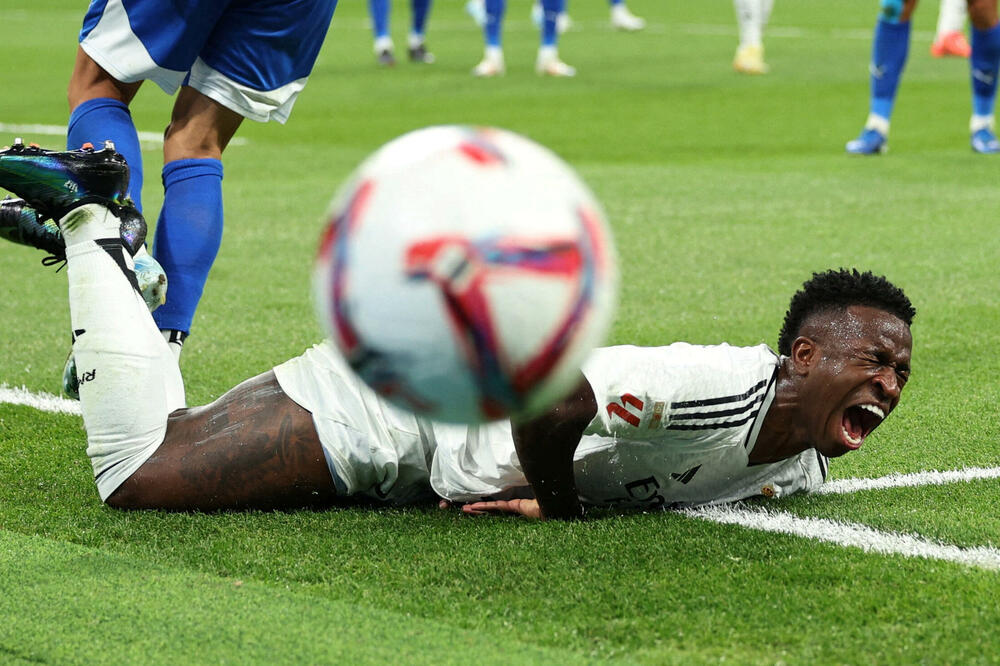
751 20
952 16
175 340
877 123
548 53
414 40
383 44
129 379
977 123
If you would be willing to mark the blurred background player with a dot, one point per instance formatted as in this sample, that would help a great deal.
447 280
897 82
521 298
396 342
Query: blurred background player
546 64
229 62
621 17
417 49
889 52
752 17
949 39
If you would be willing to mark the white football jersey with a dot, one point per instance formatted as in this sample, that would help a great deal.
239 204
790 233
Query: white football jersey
675 426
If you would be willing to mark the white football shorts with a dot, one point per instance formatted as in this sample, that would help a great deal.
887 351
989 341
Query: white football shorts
373 448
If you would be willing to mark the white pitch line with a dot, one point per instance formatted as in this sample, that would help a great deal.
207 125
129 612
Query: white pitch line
45 402
154 138
820 529
928 478
848 534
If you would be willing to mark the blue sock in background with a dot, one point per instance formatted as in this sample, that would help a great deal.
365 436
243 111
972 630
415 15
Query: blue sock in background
889 51
551 9
103 119
420 9
188 236
984 63
494 21
379 10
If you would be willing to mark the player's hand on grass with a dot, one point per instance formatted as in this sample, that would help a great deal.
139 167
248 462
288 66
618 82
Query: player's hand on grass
523 507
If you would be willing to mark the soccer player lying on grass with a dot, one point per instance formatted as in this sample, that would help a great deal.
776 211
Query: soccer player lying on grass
645 427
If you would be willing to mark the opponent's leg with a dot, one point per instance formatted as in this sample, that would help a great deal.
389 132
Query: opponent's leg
889 51
548 63
99 112
476 9
949 38
492 63
189 230
419 10
984 64
623 19
751 15
379 11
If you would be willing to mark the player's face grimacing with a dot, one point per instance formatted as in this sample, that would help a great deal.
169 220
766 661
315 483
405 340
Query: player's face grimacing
858 362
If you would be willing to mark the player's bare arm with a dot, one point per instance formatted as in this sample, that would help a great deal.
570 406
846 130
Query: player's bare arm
253 448
545 446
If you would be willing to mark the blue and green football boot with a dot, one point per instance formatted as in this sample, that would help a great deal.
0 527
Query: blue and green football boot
56 182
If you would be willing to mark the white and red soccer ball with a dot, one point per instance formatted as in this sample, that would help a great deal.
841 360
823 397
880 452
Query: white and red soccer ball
465 274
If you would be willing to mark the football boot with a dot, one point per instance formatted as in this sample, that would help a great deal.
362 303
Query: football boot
623 19
419 54
19 223
491 65
869 142
549 64
951 44
750 60
985 141
22 224
55 182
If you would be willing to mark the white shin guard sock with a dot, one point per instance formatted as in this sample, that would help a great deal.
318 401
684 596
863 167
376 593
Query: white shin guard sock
952 16
750 15
129 378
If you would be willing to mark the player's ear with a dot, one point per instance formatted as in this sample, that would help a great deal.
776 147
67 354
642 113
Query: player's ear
804 354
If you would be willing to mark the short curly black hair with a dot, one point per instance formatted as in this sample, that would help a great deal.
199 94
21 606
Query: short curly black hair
836 290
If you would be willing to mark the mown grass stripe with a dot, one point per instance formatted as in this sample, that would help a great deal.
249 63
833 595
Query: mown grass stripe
65 603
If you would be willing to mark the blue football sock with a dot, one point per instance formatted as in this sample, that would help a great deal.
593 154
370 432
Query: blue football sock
984 63
379 10
889 51
494 21
105 119
420 9
188 236
551 9
615 2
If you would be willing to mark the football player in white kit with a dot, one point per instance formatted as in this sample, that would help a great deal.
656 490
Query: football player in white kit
645 427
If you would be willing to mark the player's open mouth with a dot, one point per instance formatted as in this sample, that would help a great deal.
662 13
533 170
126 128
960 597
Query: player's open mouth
859 421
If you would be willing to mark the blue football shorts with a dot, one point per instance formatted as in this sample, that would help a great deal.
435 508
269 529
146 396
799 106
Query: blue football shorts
251 56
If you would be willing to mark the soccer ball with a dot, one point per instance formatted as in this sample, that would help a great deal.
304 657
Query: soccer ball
465 274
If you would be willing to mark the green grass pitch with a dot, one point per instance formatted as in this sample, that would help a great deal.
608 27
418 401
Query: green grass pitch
724 193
